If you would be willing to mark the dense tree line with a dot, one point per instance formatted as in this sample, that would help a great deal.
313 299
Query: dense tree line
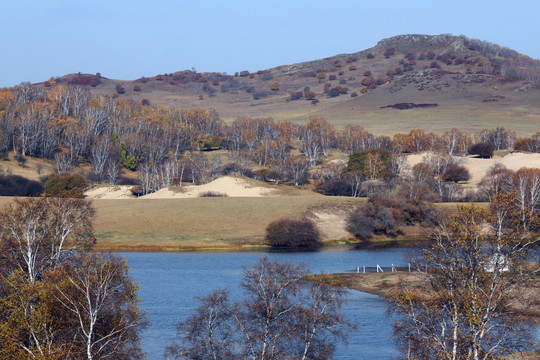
166 145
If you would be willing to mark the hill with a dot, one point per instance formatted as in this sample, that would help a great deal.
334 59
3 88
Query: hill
474 84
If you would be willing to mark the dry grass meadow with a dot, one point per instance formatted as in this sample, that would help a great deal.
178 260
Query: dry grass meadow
198 223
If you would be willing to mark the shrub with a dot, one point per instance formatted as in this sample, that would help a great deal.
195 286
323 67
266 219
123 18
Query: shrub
309 95
145 102
367 73
289 233
484 150
360 225
352 68
367 81
321 76
260 94
295 95
212 194
266 75
389 52
333 187
410 56
275 86
15 185
333 92
137 88
65 185
120 89
434 65
370 56
456 173
332 77
354 94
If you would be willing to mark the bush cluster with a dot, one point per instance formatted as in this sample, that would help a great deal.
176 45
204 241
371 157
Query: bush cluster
15 185
65 185
385 214
290 233
484 150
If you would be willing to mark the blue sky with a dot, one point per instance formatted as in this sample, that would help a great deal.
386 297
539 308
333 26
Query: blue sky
129 39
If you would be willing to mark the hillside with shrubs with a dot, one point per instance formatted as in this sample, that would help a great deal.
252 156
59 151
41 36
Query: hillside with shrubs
458 77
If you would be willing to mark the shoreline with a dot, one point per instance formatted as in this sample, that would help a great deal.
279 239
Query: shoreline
332 245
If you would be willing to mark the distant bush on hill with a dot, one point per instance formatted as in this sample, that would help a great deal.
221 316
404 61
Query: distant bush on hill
14 185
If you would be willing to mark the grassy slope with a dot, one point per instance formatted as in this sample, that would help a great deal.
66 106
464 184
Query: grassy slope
198 223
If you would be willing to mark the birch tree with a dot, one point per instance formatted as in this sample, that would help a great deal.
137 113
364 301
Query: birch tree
102 303
280 317
470 301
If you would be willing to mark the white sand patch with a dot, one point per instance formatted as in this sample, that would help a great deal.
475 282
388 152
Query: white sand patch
230 186
331 223
478 167
110 192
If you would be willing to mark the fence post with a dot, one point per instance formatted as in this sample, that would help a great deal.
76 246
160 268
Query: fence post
409 267
379 268
393 268
364 269
357 269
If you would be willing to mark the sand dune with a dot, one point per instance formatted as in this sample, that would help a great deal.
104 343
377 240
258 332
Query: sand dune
227 185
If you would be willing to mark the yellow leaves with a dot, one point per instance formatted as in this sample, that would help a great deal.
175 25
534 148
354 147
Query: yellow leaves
6 96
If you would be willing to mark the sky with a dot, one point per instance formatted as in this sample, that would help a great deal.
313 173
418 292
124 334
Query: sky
128 39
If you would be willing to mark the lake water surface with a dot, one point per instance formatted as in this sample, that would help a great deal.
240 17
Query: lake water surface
170 281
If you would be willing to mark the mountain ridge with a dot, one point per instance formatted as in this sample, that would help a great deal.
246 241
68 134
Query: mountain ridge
475 80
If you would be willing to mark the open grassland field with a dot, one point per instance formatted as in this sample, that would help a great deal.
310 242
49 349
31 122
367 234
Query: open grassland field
518 111
198 223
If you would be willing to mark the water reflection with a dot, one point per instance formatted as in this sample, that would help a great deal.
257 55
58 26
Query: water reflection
170 281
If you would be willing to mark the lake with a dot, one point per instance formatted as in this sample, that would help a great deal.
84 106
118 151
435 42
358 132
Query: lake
170 281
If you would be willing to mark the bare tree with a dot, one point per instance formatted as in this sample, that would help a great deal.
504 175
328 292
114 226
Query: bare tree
101 299
36 232
100 152
210 332
113 171
281 317
472 287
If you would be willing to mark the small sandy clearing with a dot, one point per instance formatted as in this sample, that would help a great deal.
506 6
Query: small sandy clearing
230 186
478 167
